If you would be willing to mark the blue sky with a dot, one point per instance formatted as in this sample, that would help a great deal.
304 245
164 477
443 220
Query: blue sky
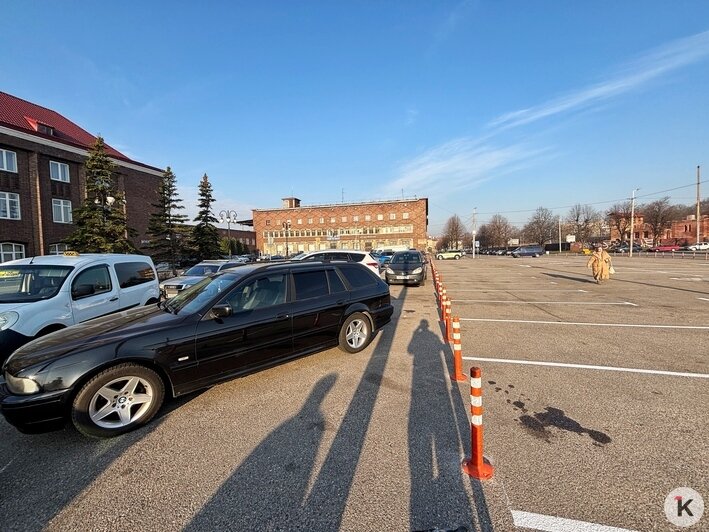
501 105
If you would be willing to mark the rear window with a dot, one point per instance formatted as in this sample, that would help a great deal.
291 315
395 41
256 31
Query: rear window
356 257
358 276
134 273
310 284
336 284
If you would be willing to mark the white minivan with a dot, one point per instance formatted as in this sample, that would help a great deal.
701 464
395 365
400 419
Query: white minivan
39 295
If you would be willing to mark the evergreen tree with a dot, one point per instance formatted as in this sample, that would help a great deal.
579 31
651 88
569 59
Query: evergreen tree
205 237
166 225
100 220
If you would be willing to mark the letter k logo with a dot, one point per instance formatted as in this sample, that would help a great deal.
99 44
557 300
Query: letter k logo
683 507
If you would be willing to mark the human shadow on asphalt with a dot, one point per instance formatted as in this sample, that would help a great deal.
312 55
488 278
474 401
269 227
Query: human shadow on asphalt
269 489
437 425
570 278
47 471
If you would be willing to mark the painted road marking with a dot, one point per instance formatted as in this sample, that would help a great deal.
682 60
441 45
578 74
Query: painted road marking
542 302
521 290
586 366
704 298
646 326
550 523
686 279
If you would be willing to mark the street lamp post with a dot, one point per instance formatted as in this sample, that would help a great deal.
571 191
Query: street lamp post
632 221
229 217
286 228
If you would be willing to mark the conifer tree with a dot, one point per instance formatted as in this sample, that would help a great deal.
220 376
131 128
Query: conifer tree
100 220
166 225
205 237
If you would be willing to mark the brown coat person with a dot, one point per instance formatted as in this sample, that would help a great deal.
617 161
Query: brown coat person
600 263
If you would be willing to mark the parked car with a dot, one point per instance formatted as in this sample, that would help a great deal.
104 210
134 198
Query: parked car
625 248
383 256
699 246
362 257
528 251
39 295
666 247
111 375
406 267
171 287
449 254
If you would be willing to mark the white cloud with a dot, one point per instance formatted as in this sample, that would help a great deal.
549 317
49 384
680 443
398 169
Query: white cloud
652 65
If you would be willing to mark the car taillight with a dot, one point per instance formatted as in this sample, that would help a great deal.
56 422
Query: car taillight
373 264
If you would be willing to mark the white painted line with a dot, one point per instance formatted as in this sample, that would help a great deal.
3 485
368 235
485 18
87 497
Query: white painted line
686 279
586 366
704 298
641 326
541 302
520 290
550 523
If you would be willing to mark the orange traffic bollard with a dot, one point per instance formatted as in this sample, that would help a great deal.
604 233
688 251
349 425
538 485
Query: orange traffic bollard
458 374
449 325
476 467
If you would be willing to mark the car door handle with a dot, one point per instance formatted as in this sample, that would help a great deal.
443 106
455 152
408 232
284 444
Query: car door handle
341 302
281 317
114 298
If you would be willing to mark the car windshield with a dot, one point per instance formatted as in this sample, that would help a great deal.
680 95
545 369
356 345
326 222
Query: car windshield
202 269
194 298
28 282
406 258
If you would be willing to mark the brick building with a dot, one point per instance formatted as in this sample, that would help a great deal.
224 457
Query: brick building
365 226
680 232
42 178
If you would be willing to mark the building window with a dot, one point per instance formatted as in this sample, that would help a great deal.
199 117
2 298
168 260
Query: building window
355 218
61 211
9 251
9 205
268 222
8 161
300 221
367 218
57 249
380 216
405 215
322 220
344 218
392 216
59 171
310 220
332 219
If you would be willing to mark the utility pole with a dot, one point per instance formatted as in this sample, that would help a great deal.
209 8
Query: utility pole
699 200
632 222
559 234
475 215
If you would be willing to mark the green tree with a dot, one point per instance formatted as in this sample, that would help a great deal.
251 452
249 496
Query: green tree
100 220
205 237
166 225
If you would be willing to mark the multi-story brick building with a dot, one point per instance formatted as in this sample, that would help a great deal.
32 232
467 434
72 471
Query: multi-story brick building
681 232
42 178
365 226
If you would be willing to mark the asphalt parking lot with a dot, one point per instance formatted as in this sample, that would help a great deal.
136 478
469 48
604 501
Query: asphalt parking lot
374 441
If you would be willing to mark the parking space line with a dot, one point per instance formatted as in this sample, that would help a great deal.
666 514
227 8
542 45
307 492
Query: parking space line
704 298
632 325
550 523
627 303
587 366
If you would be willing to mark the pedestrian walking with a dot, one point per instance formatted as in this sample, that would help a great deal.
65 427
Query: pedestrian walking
600 264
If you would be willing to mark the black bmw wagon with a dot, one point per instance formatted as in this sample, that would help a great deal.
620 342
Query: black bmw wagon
111 375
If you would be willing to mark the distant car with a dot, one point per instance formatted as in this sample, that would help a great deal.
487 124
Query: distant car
171 287
383 256
625 248
664 248
346 255
406 267
449 254
112 375
528 251
699 246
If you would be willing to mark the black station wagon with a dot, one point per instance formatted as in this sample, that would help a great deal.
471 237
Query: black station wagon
110 375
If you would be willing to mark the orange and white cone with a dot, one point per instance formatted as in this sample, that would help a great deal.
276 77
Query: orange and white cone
476 467
458 374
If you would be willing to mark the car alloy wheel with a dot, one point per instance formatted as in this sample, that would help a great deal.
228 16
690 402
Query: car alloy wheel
117 400
356 333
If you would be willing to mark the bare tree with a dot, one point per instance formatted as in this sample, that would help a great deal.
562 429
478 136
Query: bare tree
619 218
454 231
658 216
500 230
583 221
541 226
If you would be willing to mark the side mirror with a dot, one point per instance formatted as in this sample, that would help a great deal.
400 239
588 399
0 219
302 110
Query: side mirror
82 290
221 311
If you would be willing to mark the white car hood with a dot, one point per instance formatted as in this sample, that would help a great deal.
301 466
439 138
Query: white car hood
5 307
189 280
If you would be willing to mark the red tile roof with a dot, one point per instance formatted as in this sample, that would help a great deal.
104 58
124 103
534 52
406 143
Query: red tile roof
28 117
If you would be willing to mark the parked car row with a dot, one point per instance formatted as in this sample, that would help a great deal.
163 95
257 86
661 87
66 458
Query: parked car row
111 374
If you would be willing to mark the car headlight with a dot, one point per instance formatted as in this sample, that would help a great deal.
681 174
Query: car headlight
8 319
21 385
390 271
417 271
